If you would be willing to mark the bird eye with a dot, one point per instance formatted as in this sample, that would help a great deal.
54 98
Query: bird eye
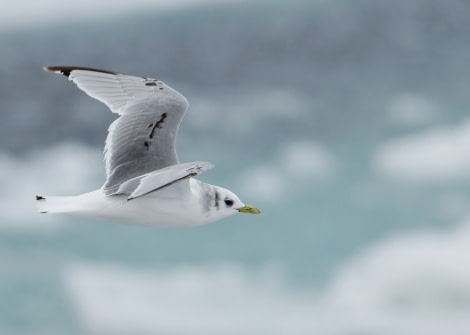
228 202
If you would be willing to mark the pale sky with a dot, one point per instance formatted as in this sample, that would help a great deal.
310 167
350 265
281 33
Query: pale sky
19 14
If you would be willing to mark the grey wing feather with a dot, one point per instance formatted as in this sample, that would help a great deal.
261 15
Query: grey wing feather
162 178
142 139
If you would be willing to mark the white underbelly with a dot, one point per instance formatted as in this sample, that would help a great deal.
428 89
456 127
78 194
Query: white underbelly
154 209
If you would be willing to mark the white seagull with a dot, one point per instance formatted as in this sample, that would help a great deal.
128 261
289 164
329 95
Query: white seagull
145 183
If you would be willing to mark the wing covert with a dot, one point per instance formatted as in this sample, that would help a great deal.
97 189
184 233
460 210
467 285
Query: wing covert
162 178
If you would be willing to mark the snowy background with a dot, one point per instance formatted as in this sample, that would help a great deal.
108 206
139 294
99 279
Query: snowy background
346 123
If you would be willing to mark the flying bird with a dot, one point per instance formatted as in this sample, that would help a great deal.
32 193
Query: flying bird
145 182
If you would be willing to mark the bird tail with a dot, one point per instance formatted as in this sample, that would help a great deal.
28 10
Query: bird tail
54 204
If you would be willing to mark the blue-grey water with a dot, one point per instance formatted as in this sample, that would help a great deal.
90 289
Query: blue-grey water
346 123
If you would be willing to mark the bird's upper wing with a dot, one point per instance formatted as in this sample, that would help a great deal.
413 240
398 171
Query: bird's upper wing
162 178
142 139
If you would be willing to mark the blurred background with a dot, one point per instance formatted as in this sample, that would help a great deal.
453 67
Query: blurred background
346 122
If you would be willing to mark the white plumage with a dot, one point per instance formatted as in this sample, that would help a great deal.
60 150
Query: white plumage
145 183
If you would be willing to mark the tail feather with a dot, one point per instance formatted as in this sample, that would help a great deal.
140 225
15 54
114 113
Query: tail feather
46 204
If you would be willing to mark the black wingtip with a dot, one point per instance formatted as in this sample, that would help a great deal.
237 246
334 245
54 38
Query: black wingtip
66 70
38 197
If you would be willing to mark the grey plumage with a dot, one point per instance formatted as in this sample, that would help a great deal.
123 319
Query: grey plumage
142 139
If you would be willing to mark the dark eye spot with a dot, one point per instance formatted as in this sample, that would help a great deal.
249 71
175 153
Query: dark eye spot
228 202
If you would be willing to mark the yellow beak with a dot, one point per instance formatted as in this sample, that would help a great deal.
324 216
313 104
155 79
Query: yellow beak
249 209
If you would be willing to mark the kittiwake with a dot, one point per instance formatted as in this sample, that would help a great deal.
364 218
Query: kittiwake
145 182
